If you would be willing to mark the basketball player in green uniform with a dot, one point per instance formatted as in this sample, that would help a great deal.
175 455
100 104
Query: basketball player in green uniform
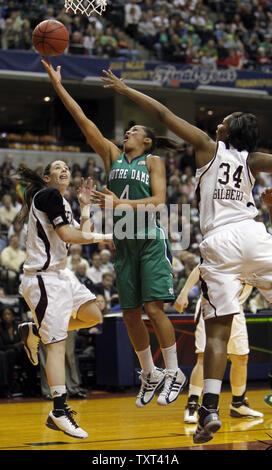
136 177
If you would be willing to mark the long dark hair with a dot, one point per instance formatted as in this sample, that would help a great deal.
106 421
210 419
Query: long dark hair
243 131
32 183
160 141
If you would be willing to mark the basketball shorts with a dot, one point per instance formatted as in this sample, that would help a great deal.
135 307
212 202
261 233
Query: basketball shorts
52 298
231 252
238 341
143 271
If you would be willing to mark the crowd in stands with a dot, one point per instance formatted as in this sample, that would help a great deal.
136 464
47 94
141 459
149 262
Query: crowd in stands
235 33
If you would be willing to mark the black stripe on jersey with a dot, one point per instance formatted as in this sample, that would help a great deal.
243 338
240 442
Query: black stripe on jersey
197 191
43 302
42 235
248 171
198 316
204 290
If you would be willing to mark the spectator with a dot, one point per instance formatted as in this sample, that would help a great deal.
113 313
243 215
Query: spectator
262 59
80 272
89 39
76 45
10 37
106 265
75 257
12 353
7 212
20 229
94 273
3 241
102 304
108 290
133 14
11 259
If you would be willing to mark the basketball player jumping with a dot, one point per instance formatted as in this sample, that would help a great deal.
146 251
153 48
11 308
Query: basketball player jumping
50 289
234 245
143 259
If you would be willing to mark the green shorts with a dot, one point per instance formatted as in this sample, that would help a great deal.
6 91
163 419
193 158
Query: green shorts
143 271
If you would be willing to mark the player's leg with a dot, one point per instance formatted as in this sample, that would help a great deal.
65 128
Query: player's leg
215 360
151 377
83 303
238 350
239 407
50 299
157 288
88 315
196 379
175 380
195 391
61 417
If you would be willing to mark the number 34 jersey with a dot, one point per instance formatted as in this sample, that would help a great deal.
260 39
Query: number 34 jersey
224 189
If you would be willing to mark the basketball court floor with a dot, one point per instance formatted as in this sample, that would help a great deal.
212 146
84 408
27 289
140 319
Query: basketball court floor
113 422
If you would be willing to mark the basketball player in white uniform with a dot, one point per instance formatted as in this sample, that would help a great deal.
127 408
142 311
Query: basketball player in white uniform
234 245
50 289
238 349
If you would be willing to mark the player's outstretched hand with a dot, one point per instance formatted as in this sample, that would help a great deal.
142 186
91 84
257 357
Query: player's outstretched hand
85 190
112 81
55 75
108 199
266 196
181 302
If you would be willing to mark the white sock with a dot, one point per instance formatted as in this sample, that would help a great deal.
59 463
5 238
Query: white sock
212 386
170 357
193 390
146 360
57 390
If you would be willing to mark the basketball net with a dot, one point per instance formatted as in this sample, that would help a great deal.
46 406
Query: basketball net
86 7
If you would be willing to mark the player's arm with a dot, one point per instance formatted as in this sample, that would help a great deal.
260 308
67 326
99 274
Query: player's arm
50 202
157 173
258 162
71 235
182 300
204 146
102 146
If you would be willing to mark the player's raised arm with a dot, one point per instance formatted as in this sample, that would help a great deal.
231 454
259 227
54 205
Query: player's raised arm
102 146
204 146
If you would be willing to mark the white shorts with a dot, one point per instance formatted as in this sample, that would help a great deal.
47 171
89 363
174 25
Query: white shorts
233 251
238 342
52 298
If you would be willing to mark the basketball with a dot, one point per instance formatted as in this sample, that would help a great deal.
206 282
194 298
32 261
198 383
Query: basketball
50 38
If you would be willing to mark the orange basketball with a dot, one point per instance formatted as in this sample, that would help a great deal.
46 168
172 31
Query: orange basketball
50 38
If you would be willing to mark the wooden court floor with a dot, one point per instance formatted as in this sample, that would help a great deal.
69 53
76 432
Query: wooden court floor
113 422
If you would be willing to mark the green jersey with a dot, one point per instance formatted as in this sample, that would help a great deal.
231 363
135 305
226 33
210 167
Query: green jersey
142 256
131 180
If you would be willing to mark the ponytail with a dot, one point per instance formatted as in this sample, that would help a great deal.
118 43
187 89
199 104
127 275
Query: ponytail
32 183
160 141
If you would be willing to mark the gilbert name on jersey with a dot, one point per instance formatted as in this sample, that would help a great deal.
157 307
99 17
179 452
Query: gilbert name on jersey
224 189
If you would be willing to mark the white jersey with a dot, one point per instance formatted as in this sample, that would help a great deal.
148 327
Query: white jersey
224 189
45 250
